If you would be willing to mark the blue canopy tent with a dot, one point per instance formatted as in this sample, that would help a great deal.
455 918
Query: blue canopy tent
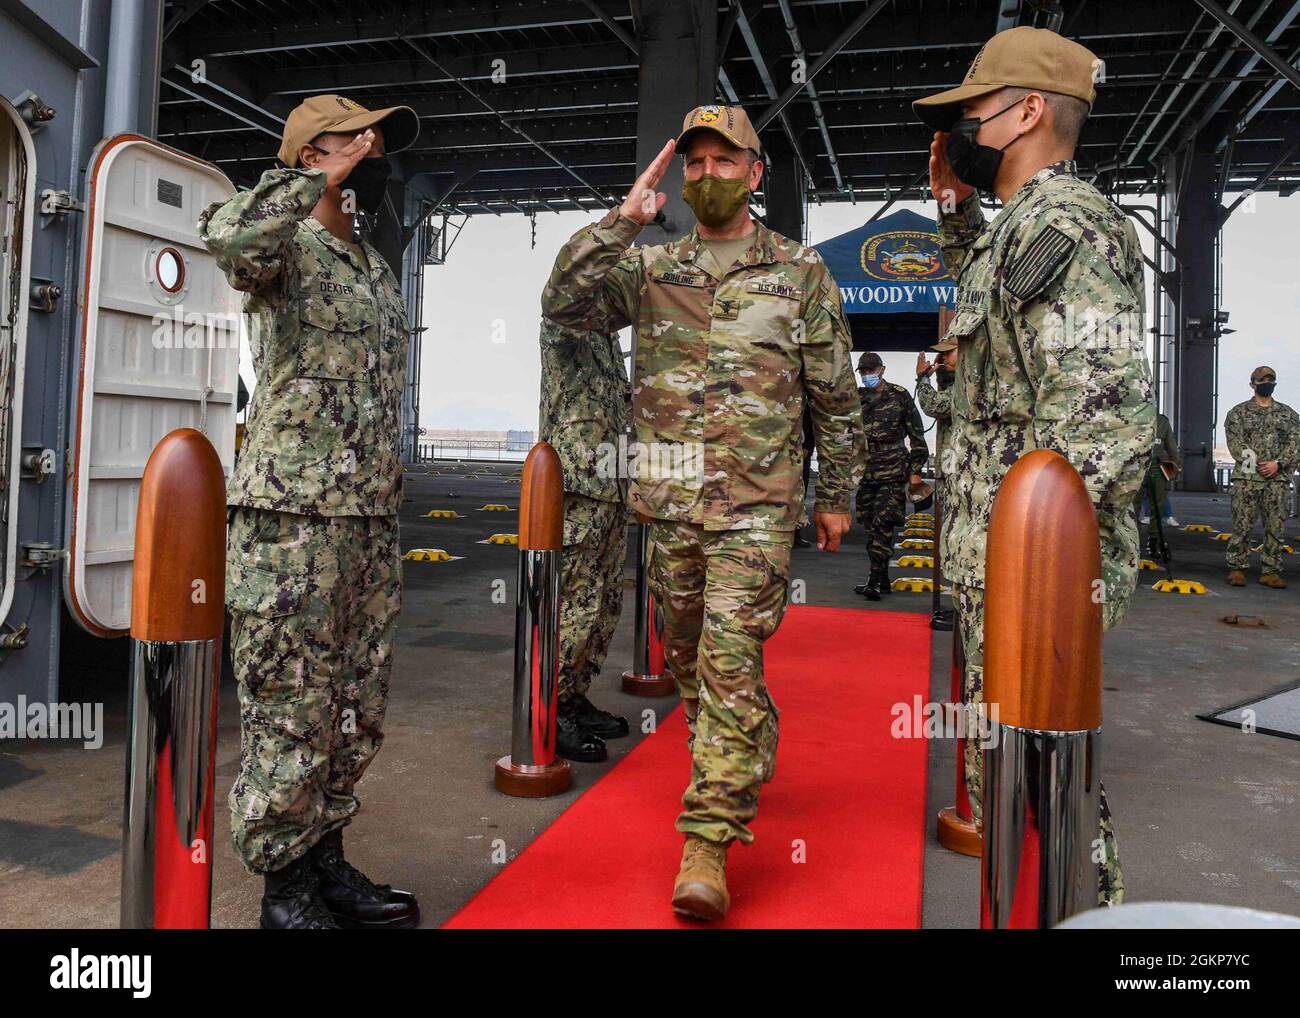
893 281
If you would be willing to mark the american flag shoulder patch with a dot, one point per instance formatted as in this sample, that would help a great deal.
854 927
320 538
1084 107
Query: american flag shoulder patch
1039 263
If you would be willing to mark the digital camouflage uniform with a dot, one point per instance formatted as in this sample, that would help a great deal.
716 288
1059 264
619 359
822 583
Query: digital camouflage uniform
896 449
1257 435
726 358
937 404
1051 354
583 415
313 575
1164 449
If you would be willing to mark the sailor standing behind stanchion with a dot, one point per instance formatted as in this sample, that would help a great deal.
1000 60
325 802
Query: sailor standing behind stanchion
583 415
1051 346
314 568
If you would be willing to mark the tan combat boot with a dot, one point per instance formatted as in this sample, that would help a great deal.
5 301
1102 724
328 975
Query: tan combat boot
1273 580
1237 578
701 888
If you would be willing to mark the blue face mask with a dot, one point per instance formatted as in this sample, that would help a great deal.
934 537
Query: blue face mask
871 381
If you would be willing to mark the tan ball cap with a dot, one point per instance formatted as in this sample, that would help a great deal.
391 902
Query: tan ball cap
944 345
1021 57
732 122
322 113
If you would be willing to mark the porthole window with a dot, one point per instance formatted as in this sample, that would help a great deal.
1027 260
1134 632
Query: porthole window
169 268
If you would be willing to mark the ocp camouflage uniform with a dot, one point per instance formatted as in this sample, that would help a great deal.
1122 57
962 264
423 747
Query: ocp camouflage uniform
583 415
895 439
723 370
1257 435
313 578
1051 354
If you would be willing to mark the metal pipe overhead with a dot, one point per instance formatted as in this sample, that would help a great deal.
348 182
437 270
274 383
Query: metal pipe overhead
603 199
793 32
842 40
1253 41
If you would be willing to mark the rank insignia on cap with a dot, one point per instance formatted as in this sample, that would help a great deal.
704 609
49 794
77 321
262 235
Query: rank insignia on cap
1039 263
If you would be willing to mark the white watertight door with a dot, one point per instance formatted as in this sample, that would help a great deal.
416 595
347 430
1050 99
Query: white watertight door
159 350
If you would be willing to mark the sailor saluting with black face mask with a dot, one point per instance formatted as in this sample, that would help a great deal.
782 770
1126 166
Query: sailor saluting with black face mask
1051 352
313 571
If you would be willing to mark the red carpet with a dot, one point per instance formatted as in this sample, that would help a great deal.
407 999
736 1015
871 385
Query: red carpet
849 793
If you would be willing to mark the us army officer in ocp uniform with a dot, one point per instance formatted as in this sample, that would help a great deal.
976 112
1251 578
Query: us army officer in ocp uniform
1051 348
314 569
737 327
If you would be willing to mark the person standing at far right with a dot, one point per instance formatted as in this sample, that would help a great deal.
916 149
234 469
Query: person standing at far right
1051 351
1264 438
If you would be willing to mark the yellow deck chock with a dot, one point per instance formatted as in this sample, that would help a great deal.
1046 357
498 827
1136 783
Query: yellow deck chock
919 532
916 562
495 507
1147 563
1179 587
503 539
1222 537
1199 528
919 521
1286 549
916 585
426 555
917 544
442 514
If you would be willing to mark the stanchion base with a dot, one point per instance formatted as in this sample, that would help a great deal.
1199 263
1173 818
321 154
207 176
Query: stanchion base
958 835
649 685
532 782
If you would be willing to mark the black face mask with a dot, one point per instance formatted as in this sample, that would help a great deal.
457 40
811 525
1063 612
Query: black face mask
976 164
369 182
1265 388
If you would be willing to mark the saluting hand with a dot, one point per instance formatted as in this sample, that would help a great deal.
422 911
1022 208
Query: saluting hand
923 367
643 202
945 185
337 165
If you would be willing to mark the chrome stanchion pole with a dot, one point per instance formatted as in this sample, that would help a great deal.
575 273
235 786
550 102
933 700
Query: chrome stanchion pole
1042 677
177 615
648 675
532 768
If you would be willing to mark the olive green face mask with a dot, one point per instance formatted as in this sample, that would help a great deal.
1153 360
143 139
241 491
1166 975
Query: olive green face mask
716 200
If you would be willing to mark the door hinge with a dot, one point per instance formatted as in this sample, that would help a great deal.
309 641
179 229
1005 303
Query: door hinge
59 203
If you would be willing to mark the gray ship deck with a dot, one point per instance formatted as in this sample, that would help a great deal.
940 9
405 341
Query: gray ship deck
1203 812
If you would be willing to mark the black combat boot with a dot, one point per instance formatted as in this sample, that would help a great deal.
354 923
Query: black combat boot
885 586
356 901
573 740
292 901
871 589
597 721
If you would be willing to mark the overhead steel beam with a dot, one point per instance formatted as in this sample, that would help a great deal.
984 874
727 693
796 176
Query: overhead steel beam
792 31
1211 110
619 32
603 199
1262 180
842 40
1243 33
1265 97
765 76
226 109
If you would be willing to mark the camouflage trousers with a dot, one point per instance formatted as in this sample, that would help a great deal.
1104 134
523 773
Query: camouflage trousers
313 605
591 588
1249 503
723 593
880 508
970 631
